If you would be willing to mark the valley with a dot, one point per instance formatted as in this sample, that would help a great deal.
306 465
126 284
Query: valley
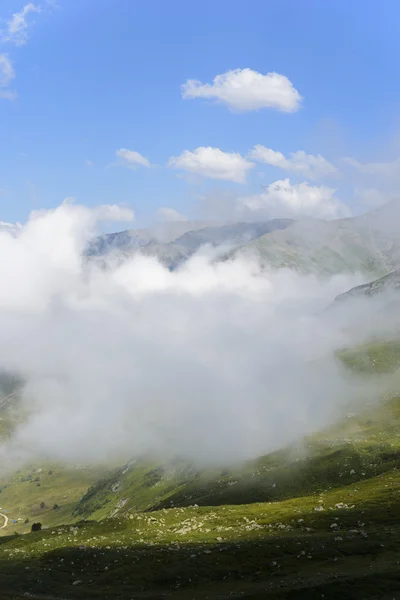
319 518
199 300
315 518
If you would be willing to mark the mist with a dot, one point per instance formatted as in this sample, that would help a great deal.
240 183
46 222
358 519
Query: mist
215 362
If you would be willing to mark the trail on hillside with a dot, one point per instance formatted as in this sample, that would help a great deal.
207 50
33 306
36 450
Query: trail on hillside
5 521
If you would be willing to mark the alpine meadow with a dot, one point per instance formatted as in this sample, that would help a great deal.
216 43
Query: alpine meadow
199 300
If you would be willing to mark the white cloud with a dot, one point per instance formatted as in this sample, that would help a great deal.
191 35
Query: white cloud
213 163
7 74
12 228
282 199
137 360
170 215
89 163
307 165
131 159
245 89
383 169
17 27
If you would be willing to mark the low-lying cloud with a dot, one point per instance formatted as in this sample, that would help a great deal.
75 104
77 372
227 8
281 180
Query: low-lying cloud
214 362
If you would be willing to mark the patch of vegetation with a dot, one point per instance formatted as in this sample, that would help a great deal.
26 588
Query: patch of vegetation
98 495
22 499
376 357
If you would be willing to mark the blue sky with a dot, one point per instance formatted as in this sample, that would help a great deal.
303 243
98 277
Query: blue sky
94 77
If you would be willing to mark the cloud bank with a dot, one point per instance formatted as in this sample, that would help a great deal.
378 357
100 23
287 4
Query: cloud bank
214 362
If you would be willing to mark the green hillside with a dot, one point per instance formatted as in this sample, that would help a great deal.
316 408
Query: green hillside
318 518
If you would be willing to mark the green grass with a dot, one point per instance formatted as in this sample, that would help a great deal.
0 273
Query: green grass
368 446
201 551
22 498
375 357
319 519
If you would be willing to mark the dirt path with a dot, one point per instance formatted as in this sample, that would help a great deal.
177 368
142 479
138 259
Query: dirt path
5 521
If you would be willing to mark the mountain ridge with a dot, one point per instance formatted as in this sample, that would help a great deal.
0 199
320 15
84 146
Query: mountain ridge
368 243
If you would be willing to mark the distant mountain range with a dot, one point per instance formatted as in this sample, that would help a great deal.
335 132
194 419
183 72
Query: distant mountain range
368 244
174 243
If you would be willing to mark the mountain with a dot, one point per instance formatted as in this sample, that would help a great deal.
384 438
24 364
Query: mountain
133 239
360 244
179 241
234 234
319 519
390 282
369 243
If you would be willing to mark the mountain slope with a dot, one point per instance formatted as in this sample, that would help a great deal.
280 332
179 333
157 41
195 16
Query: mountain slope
390 282
327 248
367 443
368 243
320 519
172 249
338 536
234 234
133 239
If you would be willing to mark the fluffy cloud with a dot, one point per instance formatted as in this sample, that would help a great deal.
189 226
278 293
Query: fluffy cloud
7 74
17 27
213 163
169 215
135 359
307 165
245 89
11 228
282 199
131 159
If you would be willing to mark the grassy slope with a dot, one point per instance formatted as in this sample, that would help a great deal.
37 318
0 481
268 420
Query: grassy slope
379 357
212 552
21 497
255 534
22 494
